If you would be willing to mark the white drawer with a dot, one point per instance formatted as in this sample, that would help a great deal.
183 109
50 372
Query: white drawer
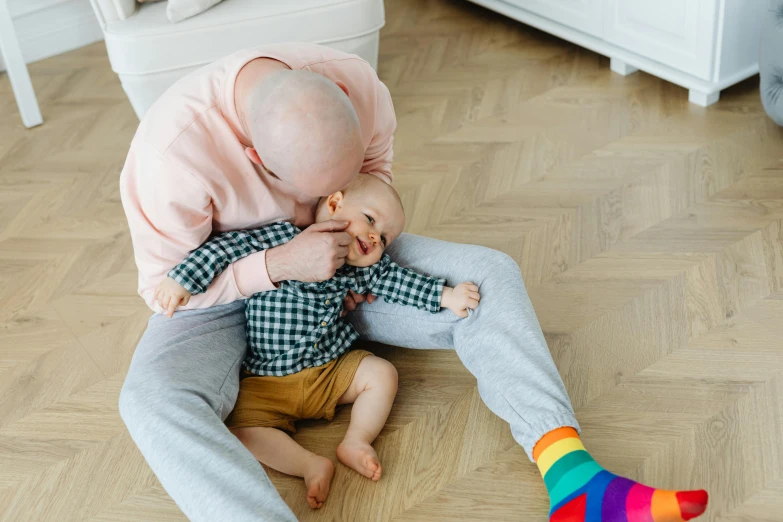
677 33
584 15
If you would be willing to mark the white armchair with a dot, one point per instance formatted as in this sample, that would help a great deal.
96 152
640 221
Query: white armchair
149 53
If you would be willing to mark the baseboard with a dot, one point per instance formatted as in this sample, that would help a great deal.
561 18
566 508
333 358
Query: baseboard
53 27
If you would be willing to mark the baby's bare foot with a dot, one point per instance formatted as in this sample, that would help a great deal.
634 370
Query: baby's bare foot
318 474
360 456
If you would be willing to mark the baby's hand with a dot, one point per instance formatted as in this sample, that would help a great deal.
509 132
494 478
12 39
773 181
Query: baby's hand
460 298
170 295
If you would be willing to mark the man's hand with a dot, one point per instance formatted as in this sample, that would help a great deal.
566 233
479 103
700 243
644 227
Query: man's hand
353 299
459 299
170 295
312 256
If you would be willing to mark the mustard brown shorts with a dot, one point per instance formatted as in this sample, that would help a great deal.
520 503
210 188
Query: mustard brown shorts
278 402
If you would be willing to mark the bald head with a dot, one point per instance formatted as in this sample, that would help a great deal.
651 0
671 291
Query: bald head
305 131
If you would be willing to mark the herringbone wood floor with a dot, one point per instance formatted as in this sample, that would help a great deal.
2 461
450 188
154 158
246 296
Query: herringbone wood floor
649 231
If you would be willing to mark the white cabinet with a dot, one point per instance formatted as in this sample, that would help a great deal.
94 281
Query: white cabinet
679 33
702 45
584 15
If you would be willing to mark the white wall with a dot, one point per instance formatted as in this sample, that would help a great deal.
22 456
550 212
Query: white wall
49 27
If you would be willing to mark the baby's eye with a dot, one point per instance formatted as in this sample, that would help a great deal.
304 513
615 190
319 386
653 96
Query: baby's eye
370 219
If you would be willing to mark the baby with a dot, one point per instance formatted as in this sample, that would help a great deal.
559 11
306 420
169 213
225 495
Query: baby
299 365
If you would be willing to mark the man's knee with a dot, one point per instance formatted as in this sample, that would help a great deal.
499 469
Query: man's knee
494 265
148 396
128 405
136 400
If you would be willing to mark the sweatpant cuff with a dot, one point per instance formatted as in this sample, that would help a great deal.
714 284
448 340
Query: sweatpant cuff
530 436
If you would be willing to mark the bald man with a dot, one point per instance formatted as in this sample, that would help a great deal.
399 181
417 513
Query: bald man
257 138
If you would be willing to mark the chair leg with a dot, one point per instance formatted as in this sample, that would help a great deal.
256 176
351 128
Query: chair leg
17 70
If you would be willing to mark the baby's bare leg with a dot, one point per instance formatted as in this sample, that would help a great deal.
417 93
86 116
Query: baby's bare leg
372 394
277 450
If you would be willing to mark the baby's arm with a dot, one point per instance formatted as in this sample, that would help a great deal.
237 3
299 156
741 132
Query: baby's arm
198 270
406 287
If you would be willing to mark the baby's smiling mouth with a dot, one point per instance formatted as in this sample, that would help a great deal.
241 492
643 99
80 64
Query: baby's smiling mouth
363 248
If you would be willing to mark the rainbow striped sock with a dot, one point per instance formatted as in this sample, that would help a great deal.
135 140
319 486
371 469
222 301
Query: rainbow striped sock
582 491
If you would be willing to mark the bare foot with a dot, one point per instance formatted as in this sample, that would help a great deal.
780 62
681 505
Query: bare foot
318 474
361 457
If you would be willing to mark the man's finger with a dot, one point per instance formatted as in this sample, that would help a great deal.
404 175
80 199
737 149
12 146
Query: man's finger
329 226
370 298
343 238
357 298
349 304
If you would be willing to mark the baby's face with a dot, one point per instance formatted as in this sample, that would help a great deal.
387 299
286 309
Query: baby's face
376 219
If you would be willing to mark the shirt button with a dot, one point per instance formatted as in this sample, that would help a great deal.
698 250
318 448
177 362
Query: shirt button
315 345
327 301
323 323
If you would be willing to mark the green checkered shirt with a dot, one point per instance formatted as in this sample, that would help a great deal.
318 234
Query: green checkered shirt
298 325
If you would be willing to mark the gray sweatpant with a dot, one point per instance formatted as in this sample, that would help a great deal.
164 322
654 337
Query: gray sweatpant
184 378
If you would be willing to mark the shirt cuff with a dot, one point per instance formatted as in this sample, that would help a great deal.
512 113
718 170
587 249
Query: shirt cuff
251 275
181 276
433 306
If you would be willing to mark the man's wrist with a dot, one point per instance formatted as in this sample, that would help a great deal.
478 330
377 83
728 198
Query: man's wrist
276 264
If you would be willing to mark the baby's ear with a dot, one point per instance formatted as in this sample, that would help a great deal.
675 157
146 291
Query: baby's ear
335 202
